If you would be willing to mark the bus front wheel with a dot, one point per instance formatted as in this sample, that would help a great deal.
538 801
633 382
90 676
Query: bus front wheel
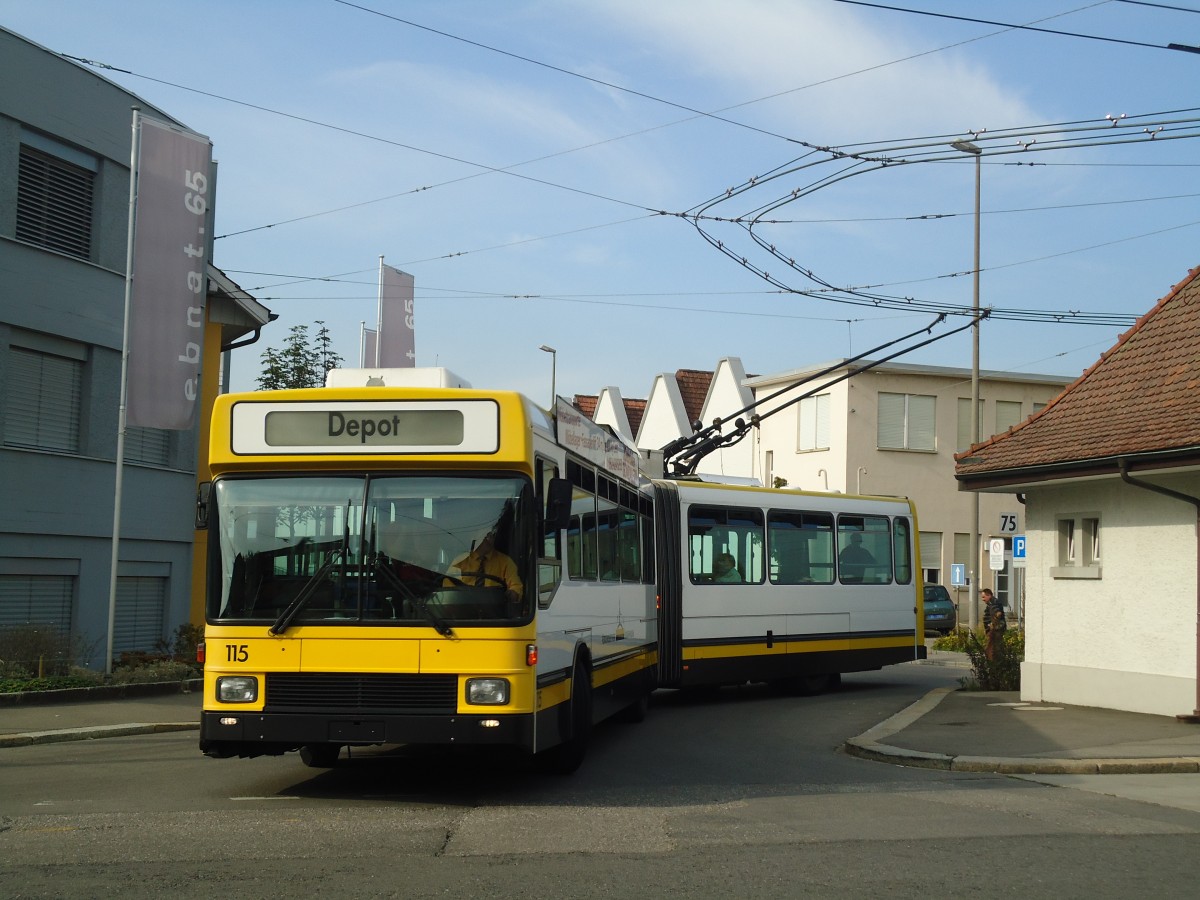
320 756
568 756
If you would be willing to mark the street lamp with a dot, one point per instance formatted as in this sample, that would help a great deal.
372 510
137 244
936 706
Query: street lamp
973 562
553 374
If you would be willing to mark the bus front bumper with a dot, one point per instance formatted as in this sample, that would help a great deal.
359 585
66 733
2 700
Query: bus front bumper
248 734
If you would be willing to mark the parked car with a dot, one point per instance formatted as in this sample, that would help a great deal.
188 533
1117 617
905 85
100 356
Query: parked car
940 614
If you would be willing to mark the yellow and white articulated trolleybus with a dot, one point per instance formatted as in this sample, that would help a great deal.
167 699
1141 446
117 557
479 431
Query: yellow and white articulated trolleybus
389 564
783 586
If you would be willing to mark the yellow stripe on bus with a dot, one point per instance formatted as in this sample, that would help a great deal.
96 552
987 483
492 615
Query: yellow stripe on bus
781 648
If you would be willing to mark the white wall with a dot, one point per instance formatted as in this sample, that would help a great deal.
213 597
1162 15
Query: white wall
727 394
1125 640
665 418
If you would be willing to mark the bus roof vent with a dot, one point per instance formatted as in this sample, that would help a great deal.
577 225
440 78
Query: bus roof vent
431 377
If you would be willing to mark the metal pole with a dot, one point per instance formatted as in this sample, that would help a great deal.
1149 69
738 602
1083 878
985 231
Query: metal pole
124 398
553 375
974 581
379 315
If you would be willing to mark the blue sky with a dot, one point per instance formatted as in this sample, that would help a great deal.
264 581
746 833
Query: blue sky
398 115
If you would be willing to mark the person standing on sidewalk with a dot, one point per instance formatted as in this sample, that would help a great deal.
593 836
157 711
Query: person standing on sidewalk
994 622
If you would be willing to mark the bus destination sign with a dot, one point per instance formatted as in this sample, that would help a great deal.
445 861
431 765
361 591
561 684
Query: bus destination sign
356 427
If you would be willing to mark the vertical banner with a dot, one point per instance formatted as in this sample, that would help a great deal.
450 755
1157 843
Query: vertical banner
368 348
397 336
170 255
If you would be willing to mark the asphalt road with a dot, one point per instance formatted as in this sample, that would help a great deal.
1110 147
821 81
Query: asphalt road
739 794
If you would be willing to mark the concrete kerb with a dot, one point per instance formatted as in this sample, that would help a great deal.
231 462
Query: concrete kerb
98 693
869 745
92 733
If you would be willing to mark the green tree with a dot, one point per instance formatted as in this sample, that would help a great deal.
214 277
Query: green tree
303 361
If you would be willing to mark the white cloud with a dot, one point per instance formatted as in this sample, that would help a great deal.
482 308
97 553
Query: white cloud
761 48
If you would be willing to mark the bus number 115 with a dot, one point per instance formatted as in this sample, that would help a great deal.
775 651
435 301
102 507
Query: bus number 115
236 653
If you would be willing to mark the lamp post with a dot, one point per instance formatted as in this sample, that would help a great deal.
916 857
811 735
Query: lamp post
973 562
553 374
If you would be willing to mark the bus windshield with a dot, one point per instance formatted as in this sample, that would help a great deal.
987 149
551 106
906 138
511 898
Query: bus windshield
402 550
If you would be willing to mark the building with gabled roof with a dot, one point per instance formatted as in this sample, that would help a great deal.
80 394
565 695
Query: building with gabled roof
1110 474
610 408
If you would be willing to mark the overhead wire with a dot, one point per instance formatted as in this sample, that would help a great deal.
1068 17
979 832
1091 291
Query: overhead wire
1073 34
871 158
858 154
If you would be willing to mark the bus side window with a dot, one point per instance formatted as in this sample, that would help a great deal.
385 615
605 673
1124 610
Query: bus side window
553 498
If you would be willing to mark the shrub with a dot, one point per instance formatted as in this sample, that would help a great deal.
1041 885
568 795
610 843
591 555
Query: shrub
182 646
30 651
154 671
955 641
1003 672
40 658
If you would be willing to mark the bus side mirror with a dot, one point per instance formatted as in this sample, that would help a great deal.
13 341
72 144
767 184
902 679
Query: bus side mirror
558 504
203 490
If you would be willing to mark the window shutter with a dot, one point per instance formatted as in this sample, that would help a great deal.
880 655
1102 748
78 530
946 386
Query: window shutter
922 432
140 613
1008 414
147 445
822 421
54 203
931 550
814 423
36 600
891 421
43 401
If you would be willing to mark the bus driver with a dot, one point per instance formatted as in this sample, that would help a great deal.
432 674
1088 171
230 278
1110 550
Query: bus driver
485 566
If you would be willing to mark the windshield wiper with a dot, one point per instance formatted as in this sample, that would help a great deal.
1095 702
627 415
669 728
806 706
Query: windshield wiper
340 552
438 623
310 588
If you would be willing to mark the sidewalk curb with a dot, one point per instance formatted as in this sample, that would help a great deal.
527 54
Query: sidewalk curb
92 733
869 745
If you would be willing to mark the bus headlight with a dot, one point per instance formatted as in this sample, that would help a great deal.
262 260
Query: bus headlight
237 689
487 691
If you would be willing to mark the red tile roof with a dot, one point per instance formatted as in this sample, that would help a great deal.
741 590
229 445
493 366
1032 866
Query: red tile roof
634 410
586 404
1141 397
693 387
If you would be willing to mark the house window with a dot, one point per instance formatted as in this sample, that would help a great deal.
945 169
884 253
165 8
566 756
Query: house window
1078 551
931 556
964 423
55 195
147 445
1008 414
42 398
906 422
814 423
37 600
140 613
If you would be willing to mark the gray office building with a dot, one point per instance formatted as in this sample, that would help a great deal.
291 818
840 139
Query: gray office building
65 138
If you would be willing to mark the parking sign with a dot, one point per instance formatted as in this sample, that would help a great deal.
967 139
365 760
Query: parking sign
1018 551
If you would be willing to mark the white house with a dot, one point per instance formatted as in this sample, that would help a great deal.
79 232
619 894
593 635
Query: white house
1110 473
